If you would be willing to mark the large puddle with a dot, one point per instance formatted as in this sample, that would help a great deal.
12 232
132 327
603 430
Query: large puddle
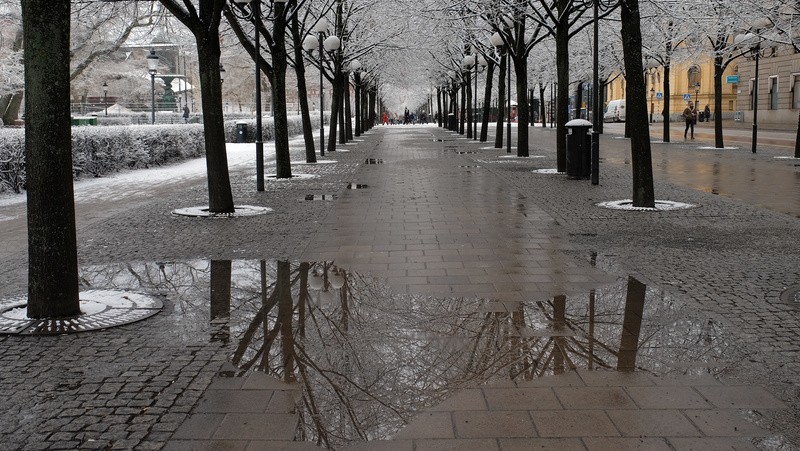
368 359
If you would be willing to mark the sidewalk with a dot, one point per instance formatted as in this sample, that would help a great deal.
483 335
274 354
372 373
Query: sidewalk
480 306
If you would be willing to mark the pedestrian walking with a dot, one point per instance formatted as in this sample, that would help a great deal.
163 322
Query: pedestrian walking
185 114
385 118
707 113
690 116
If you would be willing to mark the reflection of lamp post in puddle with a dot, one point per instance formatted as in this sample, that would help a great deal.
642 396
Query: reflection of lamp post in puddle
325 285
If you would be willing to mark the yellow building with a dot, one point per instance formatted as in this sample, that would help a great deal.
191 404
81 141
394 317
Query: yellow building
693 81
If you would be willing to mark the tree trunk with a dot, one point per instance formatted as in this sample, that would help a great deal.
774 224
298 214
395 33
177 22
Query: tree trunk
283 165
562 90
462 115
5 100
52 240
470 112
373 102
11 112
601 104
636 105
342 87
797 139
487 100
667 88
302 92
542 111
348 112
718 69
358 106
334 119
439 105
523 113
220 198
220 300
452 116
283 288
501 102
631 325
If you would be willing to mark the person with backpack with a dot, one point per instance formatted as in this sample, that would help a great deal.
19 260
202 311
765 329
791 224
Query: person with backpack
690 116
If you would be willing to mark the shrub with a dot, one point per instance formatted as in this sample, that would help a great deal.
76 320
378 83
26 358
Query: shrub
267 126
98 151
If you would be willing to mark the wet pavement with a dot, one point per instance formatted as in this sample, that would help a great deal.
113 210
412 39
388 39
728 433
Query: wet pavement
425 293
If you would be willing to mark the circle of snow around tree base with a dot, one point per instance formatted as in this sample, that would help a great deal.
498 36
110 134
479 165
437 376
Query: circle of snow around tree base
661 205
521 158
100 309
787 158
316 162
717 148
546 171
239 211
274 177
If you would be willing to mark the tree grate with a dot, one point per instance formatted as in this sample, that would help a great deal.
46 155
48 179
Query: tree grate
791 295
101 309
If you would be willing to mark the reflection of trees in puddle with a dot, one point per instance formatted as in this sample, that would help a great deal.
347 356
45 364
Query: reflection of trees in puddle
369 359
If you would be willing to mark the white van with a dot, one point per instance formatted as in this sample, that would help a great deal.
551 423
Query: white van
615 111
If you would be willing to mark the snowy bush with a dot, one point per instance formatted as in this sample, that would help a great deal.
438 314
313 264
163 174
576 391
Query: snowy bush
267 126
12 160
97 151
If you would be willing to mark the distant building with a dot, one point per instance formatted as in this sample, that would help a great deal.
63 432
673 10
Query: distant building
684 79
778 87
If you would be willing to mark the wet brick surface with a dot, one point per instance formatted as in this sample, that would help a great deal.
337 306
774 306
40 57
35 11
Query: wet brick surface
132 387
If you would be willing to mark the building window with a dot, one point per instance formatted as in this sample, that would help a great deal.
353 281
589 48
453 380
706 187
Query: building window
693 76
796 91
773 92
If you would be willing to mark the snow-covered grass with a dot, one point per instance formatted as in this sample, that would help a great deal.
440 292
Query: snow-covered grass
99 151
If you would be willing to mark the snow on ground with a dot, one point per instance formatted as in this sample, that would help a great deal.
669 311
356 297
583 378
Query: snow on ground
143 181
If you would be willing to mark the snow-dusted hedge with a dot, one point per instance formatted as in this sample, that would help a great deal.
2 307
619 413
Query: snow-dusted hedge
97 151
267 127
100 150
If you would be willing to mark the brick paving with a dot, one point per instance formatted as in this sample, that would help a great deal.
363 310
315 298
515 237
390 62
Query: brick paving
437 218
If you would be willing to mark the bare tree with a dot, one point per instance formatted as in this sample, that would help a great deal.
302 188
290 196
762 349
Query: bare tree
52 241
636 104
203 22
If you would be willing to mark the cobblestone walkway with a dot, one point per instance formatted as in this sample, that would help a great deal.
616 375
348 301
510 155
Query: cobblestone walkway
436 216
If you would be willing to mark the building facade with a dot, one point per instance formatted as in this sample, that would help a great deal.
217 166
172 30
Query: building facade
689 81
778 88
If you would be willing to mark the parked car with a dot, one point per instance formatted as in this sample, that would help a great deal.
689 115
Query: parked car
615 111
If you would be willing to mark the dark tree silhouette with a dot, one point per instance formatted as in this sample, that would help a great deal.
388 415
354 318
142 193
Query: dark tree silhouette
52 241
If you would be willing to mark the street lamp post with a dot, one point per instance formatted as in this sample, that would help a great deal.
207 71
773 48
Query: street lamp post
309 44
508 113
355 65
152 69
475 97
254 14
105 97
696 96
754 41
467 63
652 94
596 101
